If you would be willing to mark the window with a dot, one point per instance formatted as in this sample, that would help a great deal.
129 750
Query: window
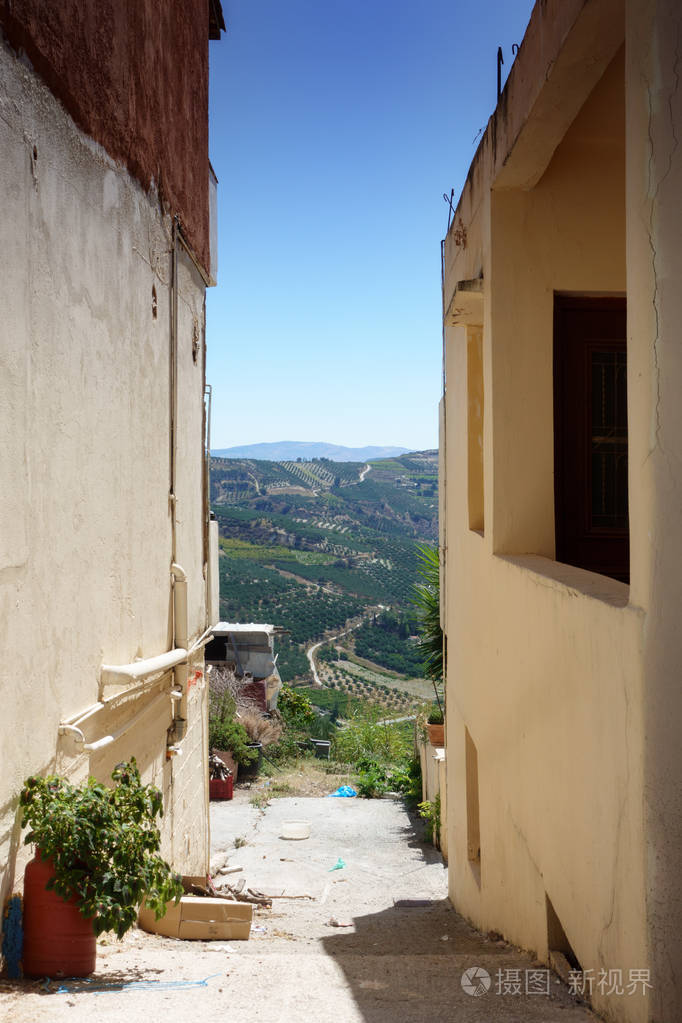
591 437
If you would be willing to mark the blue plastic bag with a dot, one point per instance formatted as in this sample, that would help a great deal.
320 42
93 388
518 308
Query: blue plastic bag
344 790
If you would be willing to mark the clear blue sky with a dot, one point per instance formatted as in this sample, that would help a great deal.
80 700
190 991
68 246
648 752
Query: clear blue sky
335 130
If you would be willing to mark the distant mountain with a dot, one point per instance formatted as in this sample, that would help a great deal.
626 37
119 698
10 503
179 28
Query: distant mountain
290 450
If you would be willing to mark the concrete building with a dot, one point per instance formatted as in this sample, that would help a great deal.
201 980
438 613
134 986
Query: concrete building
248 649
106 551
561 535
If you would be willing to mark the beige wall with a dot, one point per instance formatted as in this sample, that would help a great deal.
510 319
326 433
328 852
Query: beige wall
85 543
572 707
654 253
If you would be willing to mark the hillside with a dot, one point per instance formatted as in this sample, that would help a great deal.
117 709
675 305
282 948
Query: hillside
321 546
282 450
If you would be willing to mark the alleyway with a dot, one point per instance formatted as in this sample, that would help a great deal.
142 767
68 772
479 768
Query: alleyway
400 961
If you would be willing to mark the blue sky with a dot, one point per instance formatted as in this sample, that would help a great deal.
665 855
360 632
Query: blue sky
335 130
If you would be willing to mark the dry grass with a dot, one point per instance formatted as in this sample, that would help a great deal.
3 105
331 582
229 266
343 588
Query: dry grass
258 727
307 778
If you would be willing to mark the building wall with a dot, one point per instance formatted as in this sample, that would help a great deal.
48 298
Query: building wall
565 681
133 76
86 537
654 254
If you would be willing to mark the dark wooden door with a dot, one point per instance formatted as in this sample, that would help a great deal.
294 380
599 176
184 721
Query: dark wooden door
591 435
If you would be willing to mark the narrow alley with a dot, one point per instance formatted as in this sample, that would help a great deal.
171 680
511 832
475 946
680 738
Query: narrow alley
376 941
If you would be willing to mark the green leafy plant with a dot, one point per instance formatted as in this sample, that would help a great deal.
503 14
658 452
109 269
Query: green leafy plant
295 708
103 843
366 736
426 600
436 716
430 812
232 736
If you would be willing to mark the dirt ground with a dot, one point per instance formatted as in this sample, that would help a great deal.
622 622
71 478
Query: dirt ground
373 941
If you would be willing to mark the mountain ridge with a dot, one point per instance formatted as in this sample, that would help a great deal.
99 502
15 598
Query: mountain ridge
290 450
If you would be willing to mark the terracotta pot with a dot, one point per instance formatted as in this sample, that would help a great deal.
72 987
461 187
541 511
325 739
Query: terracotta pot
436 735
229 761
58 940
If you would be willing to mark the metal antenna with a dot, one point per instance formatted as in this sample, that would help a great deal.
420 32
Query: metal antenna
451 212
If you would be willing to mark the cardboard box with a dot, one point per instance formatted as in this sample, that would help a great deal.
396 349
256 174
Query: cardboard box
200 919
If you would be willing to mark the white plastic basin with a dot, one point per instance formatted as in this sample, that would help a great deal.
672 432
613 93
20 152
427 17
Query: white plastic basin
295 829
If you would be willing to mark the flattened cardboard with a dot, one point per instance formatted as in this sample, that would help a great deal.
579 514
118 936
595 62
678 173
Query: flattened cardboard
200 919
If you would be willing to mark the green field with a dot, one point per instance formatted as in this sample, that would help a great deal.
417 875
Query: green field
316 558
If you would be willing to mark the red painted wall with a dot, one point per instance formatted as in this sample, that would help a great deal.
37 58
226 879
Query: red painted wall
133 74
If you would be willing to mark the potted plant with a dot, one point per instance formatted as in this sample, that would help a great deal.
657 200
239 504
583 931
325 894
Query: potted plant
227 737
230 737
435 726
97 859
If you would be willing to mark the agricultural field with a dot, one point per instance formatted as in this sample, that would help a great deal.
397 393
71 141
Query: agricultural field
315 549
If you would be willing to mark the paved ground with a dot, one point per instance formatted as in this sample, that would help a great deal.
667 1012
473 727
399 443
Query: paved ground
396 963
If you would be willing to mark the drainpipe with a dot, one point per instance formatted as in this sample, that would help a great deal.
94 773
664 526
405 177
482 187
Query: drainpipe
180 629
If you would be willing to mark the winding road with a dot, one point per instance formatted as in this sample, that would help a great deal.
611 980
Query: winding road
330 639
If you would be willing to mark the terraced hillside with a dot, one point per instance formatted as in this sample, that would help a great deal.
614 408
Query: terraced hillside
320 547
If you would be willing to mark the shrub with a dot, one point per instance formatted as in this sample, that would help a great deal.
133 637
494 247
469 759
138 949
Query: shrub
103 843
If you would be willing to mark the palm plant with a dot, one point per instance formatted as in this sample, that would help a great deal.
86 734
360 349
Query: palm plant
426 600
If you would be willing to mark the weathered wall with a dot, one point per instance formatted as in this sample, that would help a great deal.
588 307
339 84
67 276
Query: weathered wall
85 543
547 663
654 250
133 74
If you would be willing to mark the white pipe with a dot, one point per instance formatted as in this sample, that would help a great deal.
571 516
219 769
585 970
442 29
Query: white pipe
204 638
180 605
180 628
106 740
112 673
72 730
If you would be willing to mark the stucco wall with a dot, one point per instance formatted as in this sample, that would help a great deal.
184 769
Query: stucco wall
654 253
85 544
545 662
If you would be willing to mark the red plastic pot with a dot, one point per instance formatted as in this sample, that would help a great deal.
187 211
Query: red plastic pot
220 788
58 940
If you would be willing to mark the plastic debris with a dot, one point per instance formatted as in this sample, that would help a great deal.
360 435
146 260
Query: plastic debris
100 987
339 865
345 791
333 922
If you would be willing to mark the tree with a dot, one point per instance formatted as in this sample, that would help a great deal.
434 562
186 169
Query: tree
427 603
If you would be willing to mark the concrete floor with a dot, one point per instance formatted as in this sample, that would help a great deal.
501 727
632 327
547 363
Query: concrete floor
394 964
